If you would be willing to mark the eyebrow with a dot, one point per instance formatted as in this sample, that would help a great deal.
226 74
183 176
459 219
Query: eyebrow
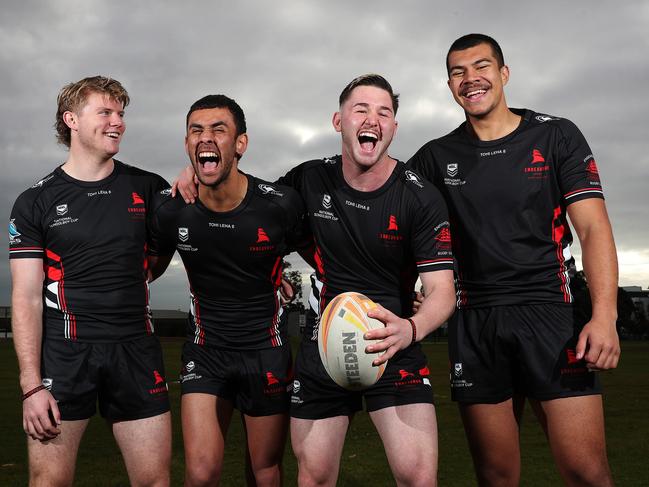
367 105
481 60
213 125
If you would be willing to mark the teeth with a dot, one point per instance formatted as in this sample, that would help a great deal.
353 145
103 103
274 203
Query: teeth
112 135
475 92
368 134
207 154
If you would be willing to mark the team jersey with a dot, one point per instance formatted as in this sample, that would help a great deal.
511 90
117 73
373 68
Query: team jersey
507 201
373 242
92 238
233 261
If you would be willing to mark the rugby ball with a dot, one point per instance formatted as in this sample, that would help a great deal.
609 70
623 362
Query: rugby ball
341 343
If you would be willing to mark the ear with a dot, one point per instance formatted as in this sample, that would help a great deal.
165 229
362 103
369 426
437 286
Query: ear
70 119
504 74
241 144
337 122
396 128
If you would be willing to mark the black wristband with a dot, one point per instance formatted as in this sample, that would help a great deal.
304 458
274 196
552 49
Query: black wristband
414 330
33 391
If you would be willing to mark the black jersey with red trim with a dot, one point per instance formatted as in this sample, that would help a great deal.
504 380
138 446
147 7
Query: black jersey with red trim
233 261
507 201
92 238
373 242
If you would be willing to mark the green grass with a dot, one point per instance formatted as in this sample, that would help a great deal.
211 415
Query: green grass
100 464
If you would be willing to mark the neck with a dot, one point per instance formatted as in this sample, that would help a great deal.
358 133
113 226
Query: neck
85 167
367 178
227 195
496 124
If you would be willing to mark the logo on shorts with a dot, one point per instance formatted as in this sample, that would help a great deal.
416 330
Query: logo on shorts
326 201
407 377
572 356
183 234
271 379
62 209
273 385
296 386
158 378
159 386
47 382
451 169
295 397
457 370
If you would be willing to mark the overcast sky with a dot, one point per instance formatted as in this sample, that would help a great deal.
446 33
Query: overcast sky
286 62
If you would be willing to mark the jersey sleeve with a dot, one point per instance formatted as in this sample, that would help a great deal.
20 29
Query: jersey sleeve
298 235
293 178
161 228
577 170
423 163
26 237
431 235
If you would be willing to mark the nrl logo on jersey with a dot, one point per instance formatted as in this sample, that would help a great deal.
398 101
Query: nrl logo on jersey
268 189
43 181
326 201
62 209
414 178
183 234
451 169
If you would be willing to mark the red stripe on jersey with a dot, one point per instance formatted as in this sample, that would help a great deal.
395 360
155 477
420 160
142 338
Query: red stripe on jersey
421 262
57 274
558 231
148 325
276 279
199 332
582 191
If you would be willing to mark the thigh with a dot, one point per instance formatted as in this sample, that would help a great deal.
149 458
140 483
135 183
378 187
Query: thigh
404 381
146 447
317 445
71 373
263 378
205 422
481 354
266 439
492 431
409 435
53 462
547 335
134 385
315 395
576 419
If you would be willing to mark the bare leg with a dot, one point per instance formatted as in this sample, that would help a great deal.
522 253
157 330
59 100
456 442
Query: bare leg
575 429
205 420
146 447
409 435
317 445
493 434
52 463
266 439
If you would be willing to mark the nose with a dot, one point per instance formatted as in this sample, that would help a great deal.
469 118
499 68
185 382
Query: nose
116 119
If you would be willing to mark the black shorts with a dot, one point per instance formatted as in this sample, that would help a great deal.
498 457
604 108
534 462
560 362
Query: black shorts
127 378
316 396
256 381
526 349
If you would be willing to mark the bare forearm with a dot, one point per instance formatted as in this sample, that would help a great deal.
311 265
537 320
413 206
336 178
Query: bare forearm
27 331
600 265
437 306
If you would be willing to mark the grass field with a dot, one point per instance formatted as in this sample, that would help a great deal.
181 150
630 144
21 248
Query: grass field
363 462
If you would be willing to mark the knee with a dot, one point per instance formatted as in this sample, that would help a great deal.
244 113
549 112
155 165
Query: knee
422 474
595 474
202 474
311 474
268 476
50 477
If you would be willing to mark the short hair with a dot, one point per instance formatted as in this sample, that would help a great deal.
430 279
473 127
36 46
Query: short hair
370 80
472 40
74 96
221 101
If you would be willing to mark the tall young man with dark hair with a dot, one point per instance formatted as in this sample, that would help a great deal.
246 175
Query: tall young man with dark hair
81 320
512 178
376 226
232 242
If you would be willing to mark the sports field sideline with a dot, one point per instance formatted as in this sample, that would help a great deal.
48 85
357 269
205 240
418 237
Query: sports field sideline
363 462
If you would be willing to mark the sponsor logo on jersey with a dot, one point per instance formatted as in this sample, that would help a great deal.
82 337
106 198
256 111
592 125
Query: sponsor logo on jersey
268 189
62 209
326 201
137 199
183 234
537 157
414 179
262 243
391 233
13 232
444 239
42 181
592 173
537 167
451 169
166 192
544 118
137 208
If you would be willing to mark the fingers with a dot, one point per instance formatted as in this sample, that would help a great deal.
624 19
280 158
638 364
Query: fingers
418 298
580 349
41 416
286 292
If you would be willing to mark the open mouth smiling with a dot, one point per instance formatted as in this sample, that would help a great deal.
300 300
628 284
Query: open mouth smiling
208 159
367 140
